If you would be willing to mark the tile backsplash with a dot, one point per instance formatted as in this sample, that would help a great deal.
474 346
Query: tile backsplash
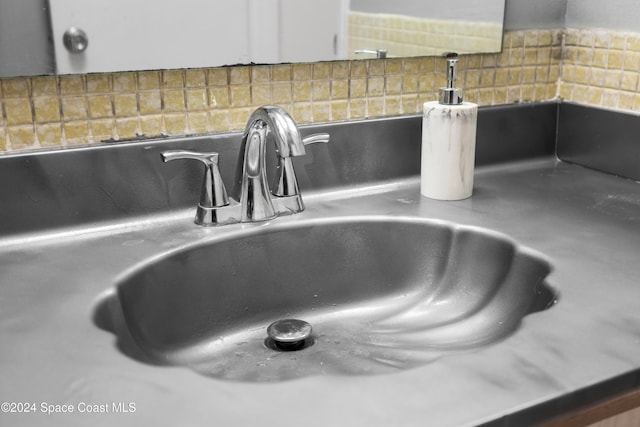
50 111
601 68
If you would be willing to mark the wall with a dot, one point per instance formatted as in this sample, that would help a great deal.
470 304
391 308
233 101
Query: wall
601 61
599 67
539 14
24 32
42 112
23 20
614 14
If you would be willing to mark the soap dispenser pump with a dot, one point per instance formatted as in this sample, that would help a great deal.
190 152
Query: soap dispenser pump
448 141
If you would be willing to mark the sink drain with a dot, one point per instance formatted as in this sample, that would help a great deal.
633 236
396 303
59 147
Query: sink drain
289 335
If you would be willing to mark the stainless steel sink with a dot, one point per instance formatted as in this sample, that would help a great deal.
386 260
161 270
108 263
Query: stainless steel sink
381 294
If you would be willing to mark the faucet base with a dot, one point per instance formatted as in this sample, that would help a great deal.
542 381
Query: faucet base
232 213
288 205
221 215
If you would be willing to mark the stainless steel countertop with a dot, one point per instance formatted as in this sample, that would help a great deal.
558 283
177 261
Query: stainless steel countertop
587 223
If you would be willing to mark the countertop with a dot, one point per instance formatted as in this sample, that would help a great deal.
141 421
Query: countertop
587 223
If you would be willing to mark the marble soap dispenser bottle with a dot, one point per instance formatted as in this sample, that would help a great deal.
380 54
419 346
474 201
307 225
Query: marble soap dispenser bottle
448 142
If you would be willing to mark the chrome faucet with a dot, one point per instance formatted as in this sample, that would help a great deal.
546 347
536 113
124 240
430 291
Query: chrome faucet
251 198
379 53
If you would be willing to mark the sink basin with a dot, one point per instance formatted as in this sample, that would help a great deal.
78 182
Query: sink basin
381 294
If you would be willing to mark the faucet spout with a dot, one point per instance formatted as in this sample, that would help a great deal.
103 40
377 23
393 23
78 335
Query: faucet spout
285 131
251 189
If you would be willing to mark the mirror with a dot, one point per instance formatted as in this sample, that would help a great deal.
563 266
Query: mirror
127 35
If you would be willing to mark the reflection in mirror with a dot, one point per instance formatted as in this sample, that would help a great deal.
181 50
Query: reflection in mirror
127 35
423 28
26 48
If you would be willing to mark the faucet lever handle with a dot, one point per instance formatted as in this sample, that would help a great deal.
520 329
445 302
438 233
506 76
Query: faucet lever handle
315 138
214 193
287 183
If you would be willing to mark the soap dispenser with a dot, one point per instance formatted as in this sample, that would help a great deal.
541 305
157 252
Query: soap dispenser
448 142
